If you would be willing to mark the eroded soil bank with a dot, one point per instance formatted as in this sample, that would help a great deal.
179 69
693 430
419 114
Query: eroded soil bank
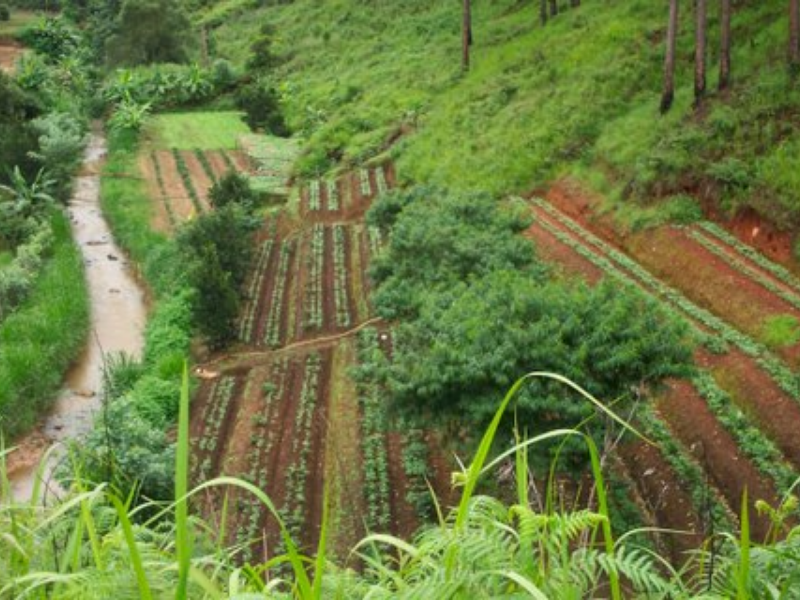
118 318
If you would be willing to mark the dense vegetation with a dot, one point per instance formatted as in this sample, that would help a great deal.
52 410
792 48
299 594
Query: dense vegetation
472 102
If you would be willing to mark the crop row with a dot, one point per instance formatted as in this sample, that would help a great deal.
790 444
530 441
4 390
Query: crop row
213 416
375 240
373 441
341 298
163 190
777 270
743 267
333 196
366 185
186 176
415 465
779 372
249 315
262 442
297 473
272 335
316 265
380 179
207 168
314 202
704 498
228 161
749 438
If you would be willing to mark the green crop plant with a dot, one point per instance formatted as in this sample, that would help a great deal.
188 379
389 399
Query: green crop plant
247 321
341 271
207 168
314 288
272 336
186 177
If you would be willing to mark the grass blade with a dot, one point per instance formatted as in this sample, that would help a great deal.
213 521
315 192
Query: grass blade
184 541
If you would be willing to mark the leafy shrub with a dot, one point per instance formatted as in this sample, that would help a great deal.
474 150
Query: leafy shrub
780 331
261 106
232 188
5 12
62 137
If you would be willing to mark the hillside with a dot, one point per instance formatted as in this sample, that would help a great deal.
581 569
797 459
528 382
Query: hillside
423 319
578 97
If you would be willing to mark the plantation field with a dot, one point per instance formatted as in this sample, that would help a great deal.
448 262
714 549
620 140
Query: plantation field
285 412
733 425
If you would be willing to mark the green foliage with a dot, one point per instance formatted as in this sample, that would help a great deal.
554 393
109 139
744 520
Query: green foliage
260 103
53 37
150 31
42 337
5 12
232 189
440 239
781 331
217 252
62 138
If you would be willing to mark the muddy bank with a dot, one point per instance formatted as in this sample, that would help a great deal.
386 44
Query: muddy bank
10 51
118 318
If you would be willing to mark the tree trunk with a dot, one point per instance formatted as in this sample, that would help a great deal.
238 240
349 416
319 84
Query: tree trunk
466 37
725 43
543 12
553 8
794 37
700 51
669 62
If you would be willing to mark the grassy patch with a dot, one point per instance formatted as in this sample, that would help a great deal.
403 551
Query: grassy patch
40 340
781 331
191 130
20 19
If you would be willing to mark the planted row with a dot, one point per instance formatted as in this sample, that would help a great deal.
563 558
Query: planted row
186 176
745 269
272 335
415 465
380 179
373 441
207 168
297 474
316 264
758 447
341 295
249 316
762 261
366 185
314 201
262 443
163 190
333 196
213 416
779 372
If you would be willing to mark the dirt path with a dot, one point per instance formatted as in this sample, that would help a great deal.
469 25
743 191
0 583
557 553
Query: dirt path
9 53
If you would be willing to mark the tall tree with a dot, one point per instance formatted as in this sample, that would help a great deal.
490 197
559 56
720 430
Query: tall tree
466 37
553 8
669 62
794 36
543 11
725 45
701 10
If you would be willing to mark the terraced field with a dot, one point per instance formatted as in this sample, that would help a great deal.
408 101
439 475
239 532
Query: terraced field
284 409
730 427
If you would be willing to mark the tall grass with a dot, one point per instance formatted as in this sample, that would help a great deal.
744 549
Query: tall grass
93 544
39 341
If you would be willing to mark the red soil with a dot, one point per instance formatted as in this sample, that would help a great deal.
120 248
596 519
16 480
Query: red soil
173 185
730 471
751 229
554 251
264 294
160 221
202 183
217 162
754 391
328 283
665 495
404 519
9 53
709 281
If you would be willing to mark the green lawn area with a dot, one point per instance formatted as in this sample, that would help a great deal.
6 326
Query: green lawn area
19 19
203 130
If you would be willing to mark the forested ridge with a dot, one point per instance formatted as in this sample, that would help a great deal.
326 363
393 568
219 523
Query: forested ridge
465 299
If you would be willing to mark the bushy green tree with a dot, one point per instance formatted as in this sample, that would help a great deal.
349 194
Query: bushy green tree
233 188
150 31
217 249
261 106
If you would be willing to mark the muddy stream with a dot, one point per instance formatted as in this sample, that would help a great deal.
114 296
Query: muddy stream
118 318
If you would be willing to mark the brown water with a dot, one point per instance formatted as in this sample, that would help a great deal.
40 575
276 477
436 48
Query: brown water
118 317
